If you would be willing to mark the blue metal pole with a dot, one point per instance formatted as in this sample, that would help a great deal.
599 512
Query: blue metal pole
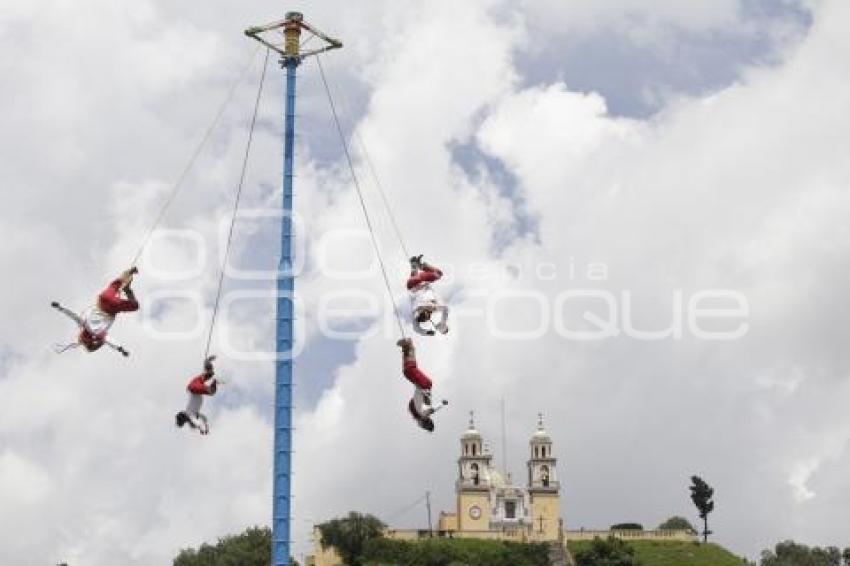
283 366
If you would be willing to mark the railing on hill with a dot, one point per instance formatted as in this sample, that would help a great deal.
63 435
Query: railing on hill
629 534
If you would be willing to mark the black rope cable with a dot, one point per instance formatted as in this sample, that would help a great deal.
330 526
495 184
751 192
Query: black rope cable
381 191
236 204
374 173
407 508
360 197
175 188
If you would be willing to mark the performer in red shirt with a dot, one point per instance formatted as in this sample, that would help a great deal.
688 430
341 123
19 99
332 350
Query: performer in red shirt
204 384
94 323
424 301
420 407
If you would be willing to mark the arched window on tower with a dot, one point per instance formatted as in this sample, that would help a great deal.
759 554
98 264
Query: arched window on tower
473 450
475 477
544 476
543 451
536 452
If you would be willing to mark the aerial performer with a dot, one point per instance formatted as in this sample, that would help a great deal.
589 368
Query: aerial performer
94 323
420 406
424 301
204 384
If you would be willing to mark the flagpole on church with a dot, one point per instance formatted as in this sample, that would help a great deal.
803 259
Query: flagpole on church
504 441
428 504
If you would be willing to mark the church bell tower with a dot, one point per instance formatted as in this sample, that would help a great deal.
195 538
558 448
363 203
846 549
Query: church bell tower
473 483
543 487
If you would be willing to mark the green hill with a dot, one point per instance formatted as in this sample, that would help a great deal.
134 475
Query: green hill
459 552
670 553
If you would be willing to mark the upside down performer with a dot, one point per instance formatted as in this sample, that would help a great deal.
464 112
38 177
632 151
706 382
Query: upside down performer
95 321
420 405
424 300
204 384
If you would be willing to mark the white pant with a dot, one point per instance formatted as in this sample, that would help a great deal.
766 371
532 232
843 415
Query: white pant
422 402
194 414
423 296
97 321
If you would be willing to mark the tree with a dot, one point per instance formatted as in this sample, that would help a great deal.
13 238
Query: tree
677 523
253 547
611 552
701 494
790 553
846 556
348 535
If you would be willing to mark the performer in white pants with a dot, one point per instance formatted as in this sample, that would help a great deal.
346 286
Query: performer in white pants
424 301
94 326
419 406
94 323
204 384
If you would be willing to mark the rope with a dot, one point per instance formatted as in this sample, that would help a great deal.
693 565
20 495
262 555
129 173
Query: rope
62 348
406 509
381 191
360 197
236 204
364 150
175 188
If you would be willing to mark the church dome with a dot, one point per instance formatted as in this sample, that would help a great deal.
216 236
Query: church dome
471 433
540 435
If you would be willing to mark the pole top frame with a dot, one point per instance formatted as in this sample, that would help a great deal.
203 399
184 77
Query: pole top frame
291 27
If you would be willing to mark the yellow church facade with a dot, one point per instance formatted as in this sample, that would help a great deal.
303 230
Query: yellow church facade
487 504
490 505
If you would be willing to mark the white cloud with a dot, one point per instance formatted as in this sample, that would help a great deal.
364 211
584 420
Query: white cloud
683 201
744 190
799 477
585 15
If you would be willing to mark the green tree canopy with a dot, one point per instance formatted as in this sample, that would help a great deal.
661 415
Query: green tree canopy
253 547
677 523
348 535
790 553
611 552
701 495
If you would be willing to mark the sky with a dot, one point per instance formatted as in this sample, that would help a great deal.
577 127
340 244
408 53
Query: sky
641 208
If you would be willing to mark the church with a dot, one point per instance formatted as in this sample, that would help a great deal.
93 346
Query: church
490 505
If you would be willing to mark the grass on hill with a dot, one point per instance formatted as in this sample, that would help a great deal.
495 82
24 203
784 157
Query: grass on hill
455 552
674 553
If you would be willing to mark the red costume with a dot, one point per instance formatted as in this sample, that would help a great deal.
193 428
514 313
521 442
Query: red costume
91 342
420 405
426 274
199 386
416 376
95 322
111 302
